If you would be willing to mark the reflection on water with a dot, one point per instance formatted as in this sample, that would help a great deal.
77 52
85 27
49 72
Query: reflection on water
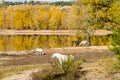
9 42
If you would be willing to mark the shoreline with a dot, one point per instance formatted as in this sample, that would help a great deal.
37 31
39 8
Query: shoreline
38 32
50 32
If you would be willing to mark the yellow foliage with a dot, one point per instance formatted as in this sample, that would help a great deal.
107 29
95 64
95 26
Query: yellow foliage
31 17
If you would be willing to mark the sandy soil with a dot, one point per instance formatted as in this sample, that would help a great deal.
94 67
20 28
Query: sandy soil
37 32
88 53
93 71
49 32
26 75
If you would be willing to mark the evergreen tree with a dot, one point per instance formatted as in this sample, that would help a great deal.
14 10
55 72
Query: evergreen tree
116 46
116 42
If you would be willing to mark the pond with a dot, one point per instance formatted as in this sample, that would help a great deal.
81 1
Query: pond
28 42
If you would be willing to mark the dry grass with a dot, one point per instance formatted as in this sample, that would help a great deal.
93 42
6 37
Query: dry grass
17 70
102 69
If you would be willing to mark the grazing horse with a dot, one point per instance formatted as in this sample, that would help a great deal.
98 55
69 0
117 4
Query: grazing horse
39 51
84 43
62 57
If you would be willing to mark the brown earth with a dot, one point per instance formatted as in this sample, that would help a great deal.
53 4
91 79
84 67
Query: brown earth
88 53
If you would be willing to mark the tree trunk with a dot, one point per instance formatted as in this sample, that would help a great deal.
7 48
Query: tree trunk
88 39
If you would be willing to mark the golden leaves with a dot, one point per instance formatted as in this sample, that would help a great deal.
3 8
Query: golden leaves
31 17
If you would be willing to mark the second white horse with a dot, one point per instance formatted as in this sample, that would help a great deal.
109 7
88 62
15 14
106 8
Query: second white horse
39 51
84 43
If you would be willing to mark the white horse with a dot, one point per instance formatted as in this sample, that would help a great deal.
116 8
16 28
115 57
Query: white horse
84 43
62 57
39 51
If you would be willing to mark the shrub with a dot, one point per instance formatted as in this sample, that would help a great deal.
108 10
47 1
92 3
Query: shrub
116 45
69 70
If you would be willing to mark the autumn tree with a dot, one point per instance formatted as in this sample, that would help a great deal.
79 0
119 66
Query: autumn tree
9 18
55 20
1 18
114 14
28 17
89 15
72 18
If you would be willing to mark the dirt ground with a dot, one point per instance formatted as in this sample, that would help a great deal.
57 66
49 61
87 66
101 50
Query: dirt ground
91 66
31 59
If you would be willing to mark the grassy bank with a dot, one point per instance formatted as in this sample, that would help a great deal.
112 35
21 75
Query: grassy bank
17 70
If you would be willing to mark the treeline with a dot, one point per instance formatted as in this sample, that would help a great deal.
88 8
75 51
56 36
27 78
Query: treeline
58 3
89 15
62 3
32 17
85 15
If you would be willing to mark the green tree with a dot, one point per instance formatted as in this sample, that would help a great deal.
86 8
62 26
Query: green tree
114 14
62 3
116 44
